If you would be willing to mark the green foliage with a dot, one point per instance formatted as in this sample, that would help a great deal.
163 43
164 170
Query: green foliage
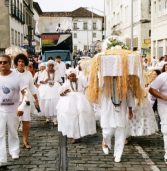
114 42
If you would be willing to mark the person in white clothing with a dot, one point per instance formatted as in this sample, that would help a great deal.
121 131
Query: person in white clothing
38 75
114 83
113 123
62 67
10 86
158 89
49 91
21 61
75 114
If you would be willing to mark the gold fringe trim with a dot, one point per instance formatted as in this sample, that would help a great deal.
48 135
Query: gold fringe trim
124 82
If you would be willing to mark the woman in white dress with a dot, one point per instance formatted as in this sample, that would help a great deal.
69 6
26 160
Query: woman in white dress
39 75
49 91
75 115
21 61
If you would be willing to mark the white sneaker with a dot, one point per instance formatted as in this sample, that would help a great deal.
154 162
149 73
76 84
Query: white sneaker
105 150
15 156
117 159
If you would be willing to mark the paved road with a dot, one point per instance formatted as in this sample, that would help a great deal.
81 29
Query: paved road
142 154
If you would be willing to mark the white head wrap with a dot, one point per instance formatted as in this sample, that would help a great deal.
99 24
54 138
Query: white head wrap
42 64
70 71
51 62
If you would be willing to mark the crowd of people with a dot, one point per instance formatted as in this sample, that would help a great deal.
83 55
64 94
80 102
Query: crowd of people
69 97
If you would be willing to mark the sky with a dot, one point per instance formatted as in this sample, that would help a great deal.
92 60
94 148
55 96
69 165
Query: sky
69 5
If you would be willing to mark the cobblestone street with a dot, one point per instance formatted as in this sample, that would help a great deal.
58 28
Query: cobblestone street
142 154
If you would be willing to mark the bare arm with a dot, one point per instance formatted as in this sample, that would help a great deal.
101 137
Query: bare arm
157 94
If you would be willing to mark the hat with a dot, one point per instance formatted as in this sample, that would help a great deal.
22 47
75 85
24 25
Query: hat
70 71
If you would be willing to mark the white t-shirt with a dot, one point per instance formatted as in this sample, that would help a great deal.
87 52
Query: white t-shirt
62 68
28 79
10 87
160 83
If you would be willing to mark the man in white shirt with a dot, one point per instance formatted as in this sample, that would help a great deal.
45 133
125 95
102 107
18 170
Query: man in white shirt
62 67
158 89
10 87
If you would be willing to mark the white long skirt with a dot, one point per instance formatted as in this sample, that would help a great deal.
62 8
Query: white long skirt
49 97
75 116
143 122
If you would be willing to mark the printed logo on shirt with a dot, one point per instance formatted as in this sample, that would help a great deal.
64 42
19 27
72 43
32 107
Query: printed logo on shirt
6 96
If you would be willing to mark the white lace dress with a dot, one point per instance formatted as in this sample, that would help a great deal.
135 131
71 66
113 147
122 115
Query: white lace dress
143 123
49 94
74 112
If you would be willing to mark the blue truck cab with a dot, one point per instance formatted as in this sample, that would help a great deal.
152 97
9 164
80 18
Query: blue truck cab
57 44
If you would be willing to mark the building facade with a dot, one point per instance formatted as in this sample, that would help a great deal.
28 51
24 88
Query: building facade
16 22
85 26
36 42
118 22
159 28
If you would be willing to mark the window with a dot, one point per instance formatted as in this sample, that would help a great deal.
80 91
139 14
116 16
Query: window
149 33
75 26
160 7
165 4
22 39
75 35
75 47
94 35
85 47
15 37
18 38
94 26
126 14
155 5
85 26
12 36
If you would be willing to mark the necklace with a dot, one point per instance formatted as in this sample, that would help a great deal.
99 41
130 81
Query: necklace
76 86
51 80
115 98
21 71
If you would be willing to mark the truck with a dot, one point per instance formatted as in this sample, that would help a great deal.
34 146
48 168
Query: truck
57 44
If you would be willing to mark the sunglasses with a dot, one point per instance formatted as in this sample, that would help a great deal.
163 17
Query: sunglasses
4 62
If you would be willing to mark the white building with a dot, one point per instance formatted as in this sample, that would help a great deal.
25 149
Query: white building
16 22
159 28
36 38
118 22
85 26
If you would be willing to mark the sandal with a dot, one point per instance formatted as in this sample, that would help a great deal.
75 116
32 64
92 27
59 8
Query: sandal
27 146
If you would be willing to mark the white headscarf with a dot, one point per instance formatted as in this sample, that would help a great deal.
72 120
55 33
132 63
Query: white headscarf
42 64
71 71
51 62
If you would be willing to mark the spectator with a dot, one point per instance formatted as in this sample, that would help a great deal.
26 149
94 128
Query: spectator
10 86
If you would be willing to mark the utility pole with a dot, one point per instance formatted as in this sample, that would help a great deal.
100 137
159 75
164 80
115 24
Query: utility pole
104 24
131 25
92 28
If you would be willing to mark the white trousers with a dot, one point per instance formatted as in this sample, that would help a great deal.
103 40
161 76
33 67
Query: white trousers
162 109
11 121
119 134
